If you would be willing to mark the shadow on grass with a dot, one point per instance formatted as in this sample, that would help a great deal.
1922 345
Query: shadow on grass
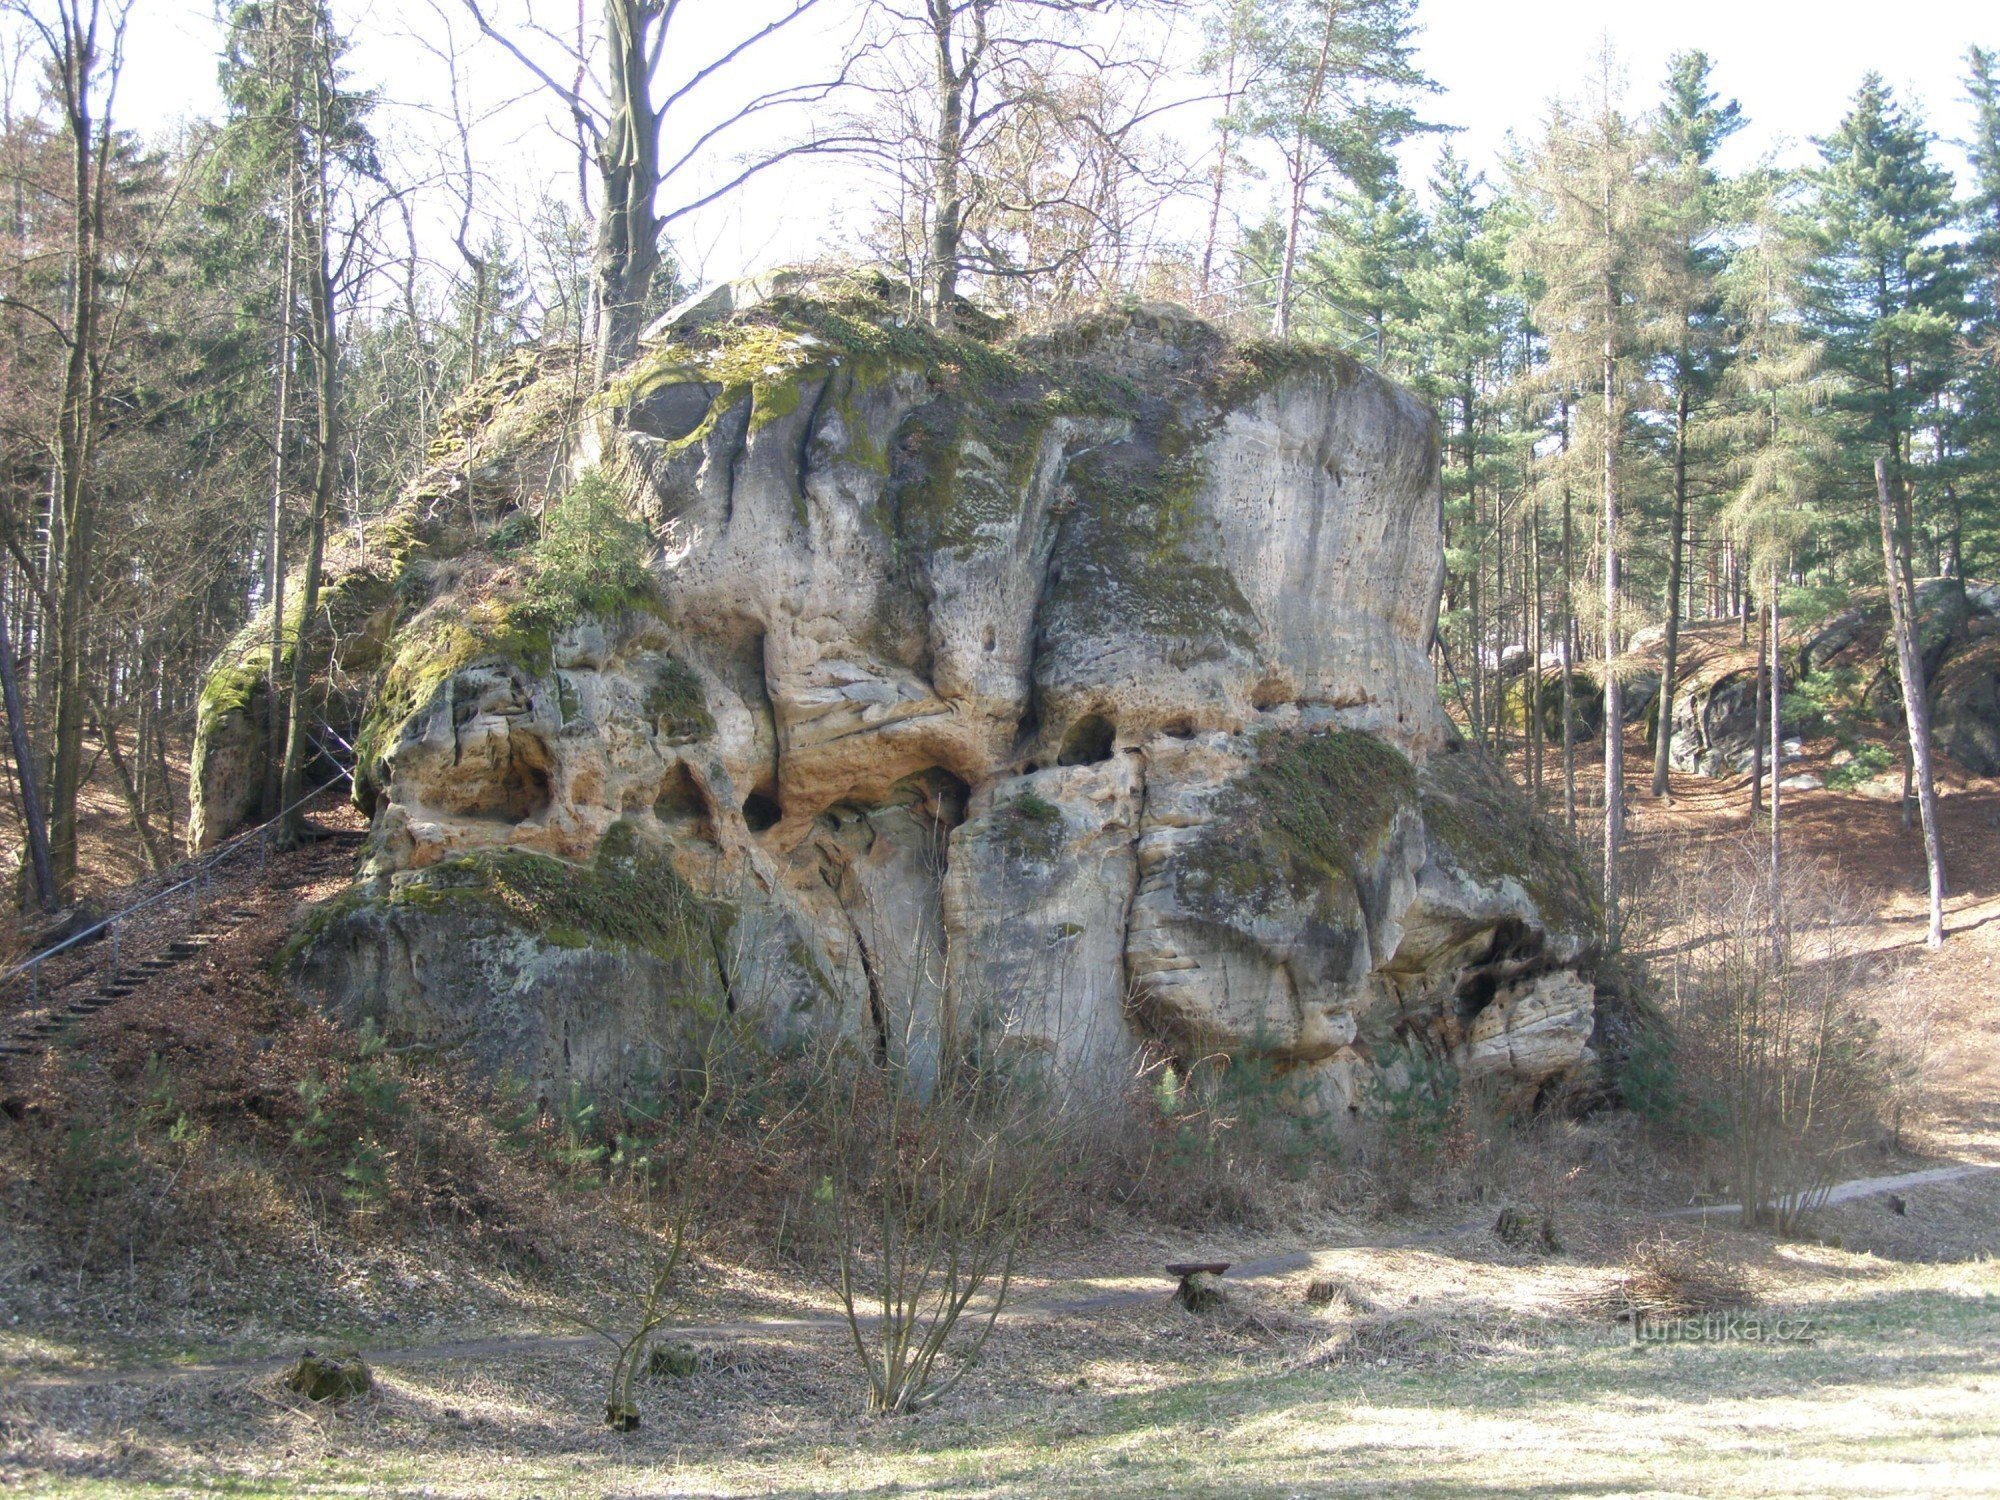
1401 1429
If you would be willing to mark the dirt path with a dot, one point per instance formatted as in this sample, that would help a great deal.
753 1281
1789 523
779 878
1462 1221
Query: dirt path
1024 1311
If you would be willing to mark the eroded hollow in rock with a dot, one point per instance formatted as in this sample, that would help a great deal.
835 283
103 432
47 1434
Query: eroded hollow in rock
517 793
1088 741
761 811
684 808
673 411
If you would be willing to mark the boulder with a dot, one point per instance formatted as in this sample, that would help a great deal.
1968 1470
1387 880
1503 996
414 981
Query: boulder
1066 699
1965 707
1714 725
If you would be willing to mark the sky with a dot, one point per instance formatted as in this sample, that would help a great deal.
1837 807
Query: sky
1793 66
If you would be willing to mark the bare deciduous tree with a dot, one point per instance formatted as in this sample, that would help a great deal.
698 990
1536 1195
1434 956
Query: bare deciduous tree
626 122
1013 134
83 46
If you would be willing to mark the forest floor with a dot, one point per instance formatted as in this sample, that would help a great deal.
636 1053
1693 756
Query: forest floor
109 853
142 1354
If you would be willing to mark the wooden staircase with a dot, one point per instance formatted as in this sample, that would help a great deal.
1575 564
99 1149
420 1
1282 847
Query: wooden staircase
30 1035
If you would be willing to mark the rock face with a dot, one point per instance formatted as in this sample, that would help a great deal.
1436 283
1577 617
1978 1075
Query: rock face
1068 697
1715 730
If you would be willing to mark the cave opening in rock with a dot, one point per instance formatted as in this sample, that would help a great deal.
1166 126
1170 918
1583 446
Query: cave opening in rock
761 811
1088 741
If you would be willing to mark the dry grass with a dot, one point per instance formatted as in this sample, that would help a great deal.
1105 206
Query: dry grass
1428 1357
1493 1389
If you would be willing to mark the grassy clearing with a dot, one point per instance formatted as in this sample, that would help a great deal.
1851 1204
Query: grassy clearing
1900 1395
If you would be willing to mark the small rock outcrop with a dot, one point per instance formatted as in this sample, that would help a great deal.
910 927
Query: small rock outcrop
1068 696
1847 667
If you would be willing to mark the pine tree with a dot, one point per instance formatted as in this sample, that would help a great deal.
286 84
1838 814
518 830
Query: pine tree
1587 241
1978 393
1369 245
1457 291
1330 94
1886 291
1693 124
1888 299
1774 425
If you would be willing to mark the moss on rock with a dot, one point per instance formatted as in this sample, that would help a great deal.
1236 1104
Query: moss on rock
1312 810
678 705
590 562
627 897
1496 834
1030 828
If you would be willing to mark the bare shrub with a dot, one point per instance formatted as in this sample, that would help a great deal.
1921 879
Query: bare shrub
671 1151
1779 1070
1221 1139
1908 1018
933 1189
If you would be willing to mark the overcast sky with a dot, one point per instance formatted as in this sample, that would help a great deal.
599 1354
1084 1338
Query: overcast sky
1793 65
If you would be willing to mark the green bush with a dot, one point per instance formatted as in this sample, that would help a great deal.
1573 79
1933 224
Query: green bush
1416 1113
371 1081
1648 1076
591 558
1869 761
367 1174
316 1129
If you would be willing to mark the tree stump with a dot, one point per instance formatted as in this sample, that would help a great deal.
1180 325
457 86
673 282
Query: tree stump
1200 1289
329 1377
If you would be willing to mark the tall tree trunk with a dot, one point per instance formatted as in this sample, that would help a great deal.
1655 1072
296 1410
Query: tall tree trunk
76 56
128 791
1538 733
1468 446
274 590
1219 184
627 252
948 160
1757 738
24 766
1663 724
1568 669
1295 213
1614 697
326 473
1916 697
1777 767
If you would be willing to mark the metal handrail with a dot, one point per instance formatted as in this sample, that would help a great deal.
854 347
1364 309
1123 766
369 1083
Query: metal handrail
202 864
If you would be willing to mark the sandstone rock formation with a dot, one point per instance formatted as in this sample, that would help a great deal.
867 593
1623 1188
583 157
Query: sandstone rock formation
1066 697
1850 667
